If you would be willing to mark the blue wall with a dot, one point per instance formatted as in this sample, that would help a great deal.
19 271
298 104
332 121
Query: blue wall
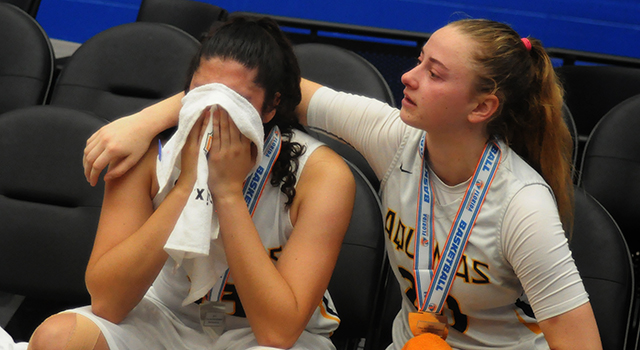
603 26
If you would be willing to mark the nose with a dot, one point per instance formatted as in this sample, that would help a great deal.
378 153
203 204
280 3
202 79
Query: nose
408 78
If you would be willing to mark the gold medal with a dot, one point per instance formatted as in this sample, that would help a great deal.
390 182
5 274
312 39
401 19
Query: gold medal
428 322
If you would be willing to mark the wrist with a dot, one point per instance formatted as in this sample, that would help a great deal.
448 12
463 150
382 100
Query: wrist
183 188
147 123
228 198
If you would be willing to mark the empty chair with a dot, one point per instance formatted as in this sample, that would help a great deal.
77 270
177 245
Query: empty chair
611 169
390 302
343 70
355 282
604 263
125 68
29 6
571 124
194 17
591 91
26 60
48 211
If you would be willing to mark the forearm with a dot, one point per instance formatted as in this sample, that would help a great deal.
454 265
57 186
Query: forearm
120 277
121 143
162 115
269 302
308 88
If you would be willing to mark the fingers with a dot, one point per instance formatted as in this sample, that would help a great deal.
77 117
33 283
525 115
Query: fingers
234 132
96 168
193 146
224 136
90 153
117 169
199 128
94 160
226 132
230 158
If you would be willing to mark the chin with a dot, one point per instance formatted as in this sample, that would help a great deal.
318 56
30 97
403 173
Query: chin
406 117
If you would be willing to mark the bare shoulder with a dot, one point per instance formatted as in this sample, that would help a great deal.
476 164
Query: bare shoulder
141 176
327 165
325 195
327 177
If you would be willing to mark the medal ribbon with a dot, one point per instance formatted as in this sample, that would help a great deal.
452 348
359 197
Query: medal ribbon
432 288
252 191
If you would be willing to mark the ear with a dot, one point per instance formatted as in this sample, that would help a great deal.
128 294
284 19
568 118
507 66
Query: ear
487 106
270 114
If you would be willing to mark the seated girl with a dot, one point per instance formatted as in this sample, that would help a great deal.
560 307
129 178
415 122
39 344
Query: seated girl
280 259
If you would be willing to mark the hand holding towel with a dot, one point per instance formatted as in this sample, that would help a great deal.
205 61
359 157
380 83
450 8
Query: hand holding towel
190 244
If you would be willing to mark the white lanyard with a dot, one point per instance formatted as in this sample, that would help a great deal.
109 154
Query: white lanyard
252 191
432 288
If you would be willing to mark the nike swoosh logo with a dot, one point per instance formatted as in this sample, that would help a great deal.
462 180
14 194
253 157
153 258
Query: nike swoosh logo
405 171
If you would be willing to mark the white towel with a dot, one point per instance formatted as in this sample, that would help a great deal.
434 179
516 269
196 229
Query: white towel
193 242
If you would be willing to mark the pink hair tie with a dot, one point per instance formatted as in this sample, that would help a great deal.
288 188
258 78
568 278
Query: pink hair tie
526 43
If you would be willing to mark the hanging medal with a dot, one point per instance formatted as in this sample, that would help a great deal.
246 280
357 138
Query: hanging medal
433 283
212 308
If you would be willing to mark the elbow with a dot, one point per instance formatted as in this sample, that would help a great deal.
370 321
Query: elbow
106 310
276 342
106 307
281 339
102 303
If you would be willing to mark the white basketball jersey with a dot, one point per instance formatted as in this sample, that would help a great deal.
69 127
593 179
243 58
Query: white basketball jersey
506 255
273 223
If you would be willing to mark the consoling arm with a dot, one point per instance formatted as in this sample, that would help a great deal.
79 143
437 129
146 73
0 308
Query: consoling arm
121 143
308 88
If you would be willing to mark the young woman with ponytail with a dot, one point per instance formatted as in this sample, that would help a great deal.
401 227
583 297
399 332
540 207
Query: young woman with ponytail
475 185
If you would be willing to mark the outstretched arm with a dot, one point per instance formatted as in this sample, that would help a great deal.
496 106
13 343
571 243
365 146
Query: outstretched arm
122 143
308 88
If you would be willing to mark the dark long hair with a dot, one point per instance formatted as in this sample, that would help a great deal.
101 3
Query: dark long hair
529 118
258 43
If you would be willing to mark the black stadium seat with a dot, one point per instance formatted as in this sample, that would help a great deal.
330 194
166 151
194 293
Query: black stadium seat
355 283
29 6
346 71
591 91
125 68
194 17
343 70
48 212
610 172
26 60
603 260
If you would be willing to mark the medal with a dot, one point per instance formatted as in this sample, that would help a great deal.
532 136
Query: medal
428 322
212 309
212 316
433 283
